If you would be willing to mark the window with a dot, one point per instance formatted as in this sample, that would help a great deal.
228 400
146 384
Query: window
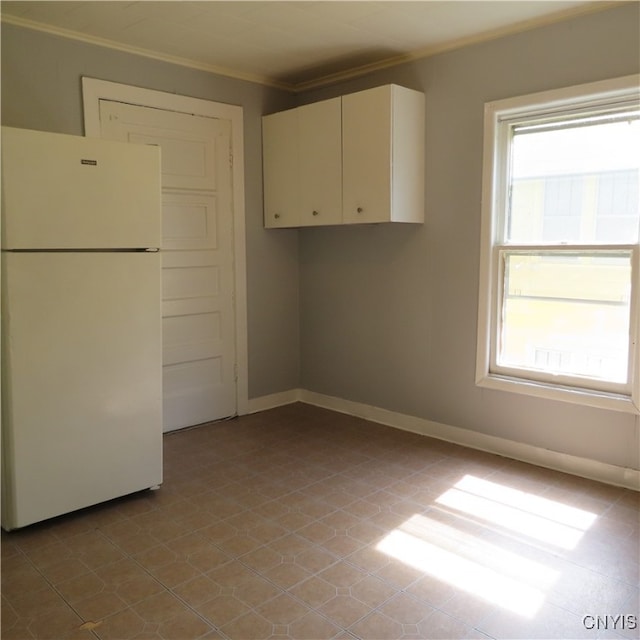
559 274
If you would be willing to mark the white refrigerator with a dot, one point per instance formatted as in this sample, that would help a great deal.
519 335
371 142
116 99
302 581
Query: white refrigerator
81 323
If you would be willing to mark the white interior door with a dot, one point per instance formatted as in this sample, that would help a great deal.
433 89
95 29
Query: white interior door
199 354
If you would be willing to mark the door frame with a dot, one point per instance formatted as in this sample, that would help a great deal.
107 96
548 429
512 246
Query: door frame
94 90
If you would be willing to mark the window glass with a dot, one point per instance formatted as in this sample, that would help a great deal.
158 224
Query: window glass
559 305
618 213
566 313
575 182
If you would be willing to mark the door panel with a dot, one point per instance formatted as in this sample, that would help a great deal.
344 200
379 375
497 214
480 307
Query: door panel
190 281
190 388
178 337
190 144
189 221
199 354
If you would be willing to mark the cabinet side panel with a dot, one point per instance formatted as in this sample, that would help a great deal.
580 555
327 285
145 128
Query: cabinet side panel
408 155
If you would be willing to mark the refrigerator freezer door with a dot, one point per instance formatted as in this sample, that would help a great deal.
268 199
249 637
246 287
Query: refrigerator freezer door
69 192
82 380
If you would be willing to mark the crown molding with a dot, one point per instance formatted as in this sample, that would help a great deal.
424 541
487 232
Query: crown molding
460 43
147 53
419 54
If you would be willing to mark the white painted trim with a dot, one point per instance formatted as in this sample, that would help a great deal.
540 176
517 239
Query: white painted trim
549 391
146 53
271 401
94 90
583 467
419 54
498 117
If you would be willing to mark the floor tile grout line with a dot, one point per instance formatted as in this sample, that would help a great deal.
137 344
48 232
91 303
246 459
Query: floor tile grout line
58 592
258 574
165 587
388 481
372 609
332 512
170 589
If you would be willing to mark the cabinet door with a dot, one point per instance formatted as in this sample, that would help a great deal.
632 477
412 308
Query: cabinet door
280 169
366 136
320 163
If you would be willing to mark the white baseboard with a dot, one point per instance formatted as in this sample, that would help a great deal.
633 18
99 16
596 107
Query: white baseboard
274 400
583 467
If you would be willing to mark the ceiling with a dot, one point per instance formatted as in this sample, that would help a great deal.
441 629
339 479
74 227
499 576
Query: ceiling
293 45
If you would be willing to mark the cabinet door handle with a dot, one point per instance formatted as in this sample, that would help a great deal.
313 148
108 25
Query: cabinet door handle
315 213
359 209
276 216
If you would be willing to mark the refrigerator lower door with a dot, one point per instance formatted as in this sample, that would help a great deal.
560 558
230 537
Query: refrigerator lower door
82 381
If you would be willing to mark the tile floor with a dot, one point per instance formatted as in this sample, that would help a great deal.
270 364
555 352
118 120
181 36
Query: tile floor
302 523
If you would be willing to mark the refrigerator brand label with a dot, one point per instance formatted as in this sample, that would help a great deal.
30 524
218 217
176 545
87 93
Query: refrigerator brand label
91 162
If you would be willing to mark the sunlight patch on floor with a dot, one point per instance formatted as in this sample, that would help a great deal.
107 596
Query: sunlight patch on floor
501 577
536 517
466 562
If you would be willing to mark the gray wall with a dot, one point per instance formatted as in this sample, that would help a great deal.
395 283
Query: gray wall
41 89
389 313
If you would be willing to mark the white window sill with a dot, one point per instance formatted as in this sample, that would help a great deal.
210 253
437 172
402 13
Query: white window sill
585 397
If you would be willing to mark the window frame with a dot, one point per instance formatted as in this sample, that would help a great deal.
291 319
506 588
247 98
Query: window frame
499 118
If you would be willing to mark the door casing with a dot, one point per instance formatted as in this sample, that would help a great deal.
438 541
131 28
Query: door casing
94 90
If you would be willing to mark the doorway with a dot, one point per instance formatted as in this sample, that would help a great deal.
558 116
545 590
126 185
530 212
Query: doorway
203 268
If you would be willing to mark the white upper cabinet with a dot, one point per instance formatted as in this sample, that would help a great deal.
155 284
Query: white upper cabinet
280 169
354 159
320 162
302 160
383 155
